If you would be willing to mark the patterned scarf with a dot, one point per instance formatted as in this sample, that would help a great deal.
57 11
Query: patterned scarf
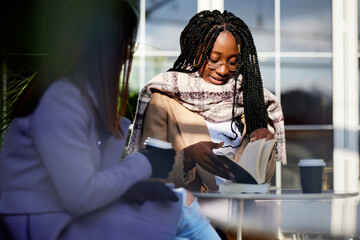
213 102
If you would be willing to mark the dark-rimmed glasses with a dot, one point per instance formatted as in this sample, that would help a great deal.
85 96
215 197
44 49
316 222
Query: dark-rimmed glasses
213 65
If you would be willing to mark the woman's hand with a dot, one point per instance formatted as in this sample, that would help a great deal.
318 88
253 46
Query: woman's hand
202 154
261 133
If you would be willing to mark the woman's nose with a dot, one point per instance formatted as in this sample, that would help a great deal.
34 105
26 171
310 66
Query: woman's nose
222 70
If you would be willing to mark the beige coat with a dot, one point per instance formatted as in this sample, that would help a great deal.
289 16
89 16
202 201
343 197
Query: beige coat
167 120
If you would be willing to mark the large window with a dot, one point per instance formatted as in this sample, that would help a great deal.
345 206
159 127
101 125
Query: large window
296 35
294 40
159 33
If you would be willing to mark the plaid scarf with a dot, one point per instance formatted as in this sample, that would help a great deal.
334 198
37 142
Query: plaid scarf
213 102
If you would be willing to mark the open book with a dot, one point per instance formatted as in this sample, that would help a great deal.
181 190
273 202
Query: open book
251 167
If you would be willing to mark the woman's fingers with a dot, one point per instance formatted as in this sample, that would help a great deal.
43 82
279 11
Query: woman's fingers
202 153
217 170
261 133
219 167
215 145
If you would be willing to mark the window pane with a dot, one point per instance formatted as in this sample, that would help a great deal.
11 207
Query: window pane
306 90
134 81
164 22
156 65
306 25
267 69
301 144
259 16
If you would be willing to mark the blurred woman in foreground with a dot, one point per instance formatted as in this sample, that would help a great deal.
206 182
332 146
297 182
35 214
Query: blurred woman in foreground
60 171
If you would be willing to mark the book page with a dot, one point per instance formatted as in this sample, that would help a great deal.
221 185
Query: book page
264 159
250 156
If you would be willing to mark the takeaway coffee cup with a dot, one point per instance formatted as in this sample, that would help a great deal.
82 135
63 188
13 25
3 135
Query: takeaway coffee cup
156 143
311 175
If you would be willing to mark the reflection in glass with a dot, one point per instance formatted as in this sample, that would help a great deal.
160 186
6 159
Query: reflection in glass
259 16
164 22
306 26
156 65
301 144
267 69
134 80
306 90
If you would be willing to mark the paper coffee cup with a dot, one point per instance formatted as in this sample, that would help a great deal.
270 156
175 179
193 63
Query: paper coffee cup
311 162
311 175
152 142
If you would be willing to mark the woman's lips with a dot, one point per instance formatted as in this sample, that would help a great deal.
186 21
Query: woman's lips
221 80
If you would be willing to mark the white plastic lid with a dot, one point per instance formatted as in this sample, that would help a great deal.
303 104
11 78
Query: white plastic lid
311 163
158 143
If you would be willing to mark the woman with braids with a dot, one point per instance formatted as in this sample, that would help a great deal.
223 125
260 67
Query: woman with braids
211 101
62 175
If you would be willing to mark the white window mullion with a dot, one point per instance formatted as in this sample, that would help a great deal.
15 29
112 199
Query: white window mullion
345 95
142 41
217 4
210 5
352 95
203 5
277 75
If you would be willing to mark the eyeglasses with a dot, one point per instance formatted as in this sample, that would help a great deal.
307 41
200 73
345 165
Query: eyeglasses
213 65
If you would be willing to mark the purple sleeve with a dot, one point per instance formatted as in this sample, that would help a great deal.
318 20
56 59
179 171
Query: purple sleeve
60 129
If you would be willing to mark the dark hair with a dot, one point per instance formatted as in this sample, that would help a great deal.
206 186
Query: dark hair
196 43
92 39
